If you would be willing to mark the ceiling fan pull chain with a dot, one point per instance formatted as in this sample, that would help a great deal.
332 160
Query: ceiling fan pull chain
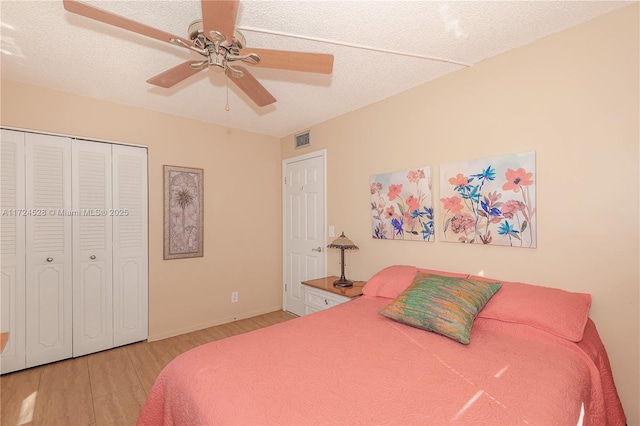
227 108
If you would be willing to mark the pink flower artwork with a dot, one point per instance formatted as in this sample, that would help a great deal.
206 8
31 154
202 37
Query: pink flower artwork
489 201
402 206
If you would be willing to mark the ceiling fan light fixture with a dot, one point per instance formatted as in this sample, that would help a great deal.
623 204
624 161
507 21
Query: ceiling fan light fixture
217 60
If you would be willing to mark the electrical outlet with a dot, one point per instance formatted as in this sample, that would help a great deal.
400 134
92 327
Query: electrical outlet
234 296
332 231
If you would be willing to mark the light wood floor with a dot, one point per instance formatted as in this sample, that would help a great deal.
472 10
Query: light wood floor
106 388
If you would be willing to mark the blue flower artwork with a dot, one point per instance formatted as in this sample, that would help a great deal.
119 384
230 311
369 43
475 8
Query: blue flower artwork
402 206
489 201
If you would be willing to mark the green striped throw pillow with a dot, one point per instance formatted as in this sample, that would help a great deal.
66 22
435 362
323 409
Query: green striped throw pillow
444 305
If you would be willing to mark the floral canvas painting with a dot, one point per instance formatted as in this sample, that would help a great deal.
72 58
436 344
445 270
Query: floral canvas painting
183 212
402 206
489 201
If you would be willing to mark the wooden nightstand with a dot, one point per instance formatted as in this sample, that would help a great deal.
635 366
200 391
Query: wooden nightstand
320 294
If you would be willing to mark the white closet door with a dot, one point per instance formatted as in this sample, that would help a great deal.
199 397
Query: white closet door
48 249
92 257
130 245
12 250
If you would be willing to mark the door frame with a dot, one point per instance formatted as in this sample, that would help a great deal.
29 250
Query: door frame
320 153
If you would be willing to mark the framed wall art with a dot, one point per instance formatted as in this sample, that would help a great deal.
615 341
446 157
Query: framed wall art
402 206
489 201
183 212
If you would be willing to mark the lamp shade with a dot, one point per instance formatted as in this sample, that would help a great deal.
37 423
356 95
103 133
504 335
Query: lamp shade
342 242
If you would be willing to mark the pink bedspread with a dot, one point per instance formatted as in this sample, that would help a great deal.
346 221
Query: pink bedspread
350 365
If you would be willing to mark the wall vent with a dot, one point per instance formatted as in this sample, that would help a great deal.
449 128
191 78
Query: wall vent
302 140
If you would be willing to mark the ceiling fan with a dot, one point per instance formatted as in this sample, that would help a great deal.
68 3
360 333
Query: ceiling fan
220 43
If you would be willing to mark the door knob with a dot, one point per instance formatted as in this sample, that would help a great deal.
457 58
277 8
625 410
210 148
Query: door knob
318 249
49 259
92 257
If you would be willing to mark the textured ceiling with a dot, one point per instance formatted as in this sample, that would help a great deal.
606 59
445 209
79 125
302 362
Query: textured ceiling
44 45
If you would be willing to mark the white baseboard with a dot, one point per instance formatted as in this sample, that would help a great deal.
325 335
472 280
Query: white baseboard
172 333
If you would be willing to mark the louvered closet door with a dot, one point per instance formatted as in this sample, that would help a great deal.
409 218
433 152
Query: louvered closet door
130 245
92 253
48 249
12 250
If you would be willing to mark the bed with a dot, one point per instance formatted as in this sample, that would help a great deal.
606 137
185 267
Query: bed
532 357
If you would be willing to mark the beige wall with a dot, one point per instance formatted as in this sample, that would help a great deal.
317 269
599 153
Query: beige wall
571 97
242 249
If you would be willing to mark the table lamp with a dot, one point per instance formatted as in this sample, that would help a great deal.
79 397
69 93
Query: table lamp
343 243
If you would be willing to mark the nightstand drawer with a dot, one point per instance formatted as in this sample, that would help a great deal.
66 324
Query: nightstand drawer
320 294
318 299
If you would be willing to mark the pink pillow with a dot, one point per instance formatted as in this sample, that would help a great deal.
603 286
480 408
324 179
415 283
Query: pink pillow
559 312
393 280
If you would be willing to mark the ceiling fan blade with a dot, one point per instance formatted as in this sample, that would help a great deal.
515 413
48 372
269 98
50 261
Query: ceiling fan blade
321 63
97 14
252 87
220 16
175 75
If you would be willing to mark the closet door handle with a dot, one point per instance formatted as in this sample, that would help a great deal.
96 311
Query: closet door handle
49 259
92 257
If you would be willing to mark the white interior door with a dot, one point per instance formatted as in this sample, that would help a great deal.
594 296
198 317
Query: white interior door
12 250
304 225
92 252
130 245
48 249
